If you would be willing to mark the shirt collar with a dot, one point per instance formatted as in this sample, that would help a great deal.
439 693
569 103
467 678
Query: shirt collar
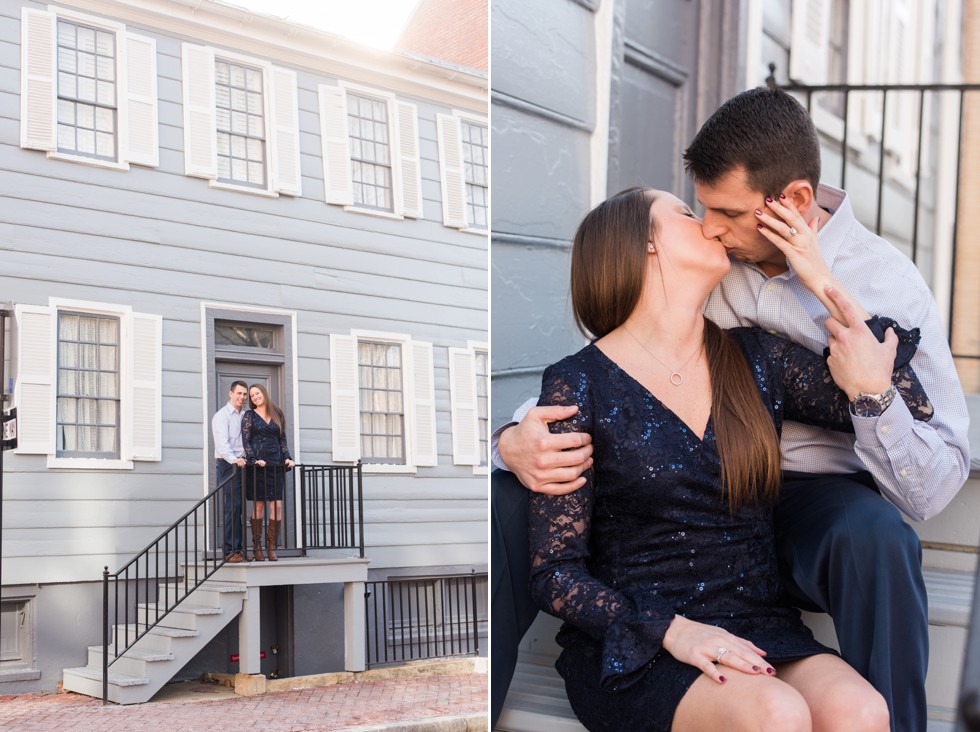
832 234
231 407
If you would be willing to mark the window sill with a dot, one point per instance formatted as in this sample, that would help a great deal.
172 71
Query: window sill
221 185
374 212
478 232
89 463
18 674
389 469
481 470
95 163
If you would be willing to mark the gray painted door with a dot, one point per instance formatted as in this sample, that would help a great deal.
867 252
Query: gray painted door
654 94
251 373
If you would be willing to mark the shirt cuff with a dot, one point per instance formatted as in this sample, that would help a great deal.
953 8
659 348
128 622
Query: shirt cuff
495 458
886 429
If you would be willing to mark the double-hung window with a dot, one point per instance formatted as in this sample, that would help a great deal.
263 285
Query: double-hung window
382 401
370 151
88 90
464 167
88 384
241 122
469 383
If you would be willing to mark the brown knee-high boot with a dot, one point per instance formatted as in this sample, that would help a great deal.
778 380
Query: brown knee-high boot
271 537
257 541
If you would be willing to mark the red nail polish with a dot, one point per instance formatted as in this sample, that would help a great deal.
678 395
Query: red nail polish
758 212
756 669
771 671
768 200
781 197
759 226
722 679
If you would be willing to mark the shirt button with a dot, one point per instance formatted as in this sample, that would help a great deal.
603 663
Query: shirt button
884 430
772 332
903 472
770 287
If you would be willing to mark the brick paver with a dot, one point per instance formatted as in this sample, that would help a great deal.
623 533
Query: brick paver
334 707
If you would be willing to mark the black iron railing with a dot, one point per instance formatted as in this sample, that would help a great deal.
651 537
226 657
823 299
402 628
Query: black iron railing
422 617
885 93
139 596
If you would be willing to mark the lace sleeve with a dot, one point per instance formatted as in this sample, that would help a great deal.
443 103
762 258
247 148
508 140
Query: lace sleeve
812 397
247 438
283 447
631 629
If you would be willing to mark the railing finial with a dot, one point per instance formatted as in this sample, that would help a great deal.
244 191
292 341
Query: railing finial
771 79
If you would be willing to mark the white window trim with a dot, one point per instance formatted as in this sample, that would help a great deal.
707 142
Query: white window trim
416 406
408 401
125 315
403 162
129 452
268 69
482 346
122 36
477 120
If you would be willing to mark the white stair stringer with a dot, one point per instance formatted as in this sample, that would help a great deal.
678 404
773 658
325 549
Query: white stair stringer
160 654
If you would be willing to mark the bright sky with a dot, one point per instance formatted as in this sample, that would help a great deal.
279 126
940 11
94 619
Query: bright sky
376 23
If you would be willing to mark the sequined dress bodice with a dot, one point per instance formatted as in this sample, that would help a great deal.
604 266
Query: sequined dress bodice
649 535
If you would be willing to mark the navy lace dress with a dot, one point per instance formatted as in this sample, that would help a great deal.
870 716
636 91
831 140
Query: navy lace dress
264 441
649 535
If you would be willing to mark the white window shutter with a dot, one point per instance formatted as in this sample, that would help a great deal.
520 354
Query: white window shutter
345 413
140 73
424 400
463 405
200 145
35 395
144 411
38 86
451 167
408 148
809 39
284 107
337 184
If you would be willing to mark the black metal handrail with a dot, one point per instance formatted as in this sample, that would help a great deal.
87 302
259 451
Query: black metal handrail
961 90
331 516
204 513
413 618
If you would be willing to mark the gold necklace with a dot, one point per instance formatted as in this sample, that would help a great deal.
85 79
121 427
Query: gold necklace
675 375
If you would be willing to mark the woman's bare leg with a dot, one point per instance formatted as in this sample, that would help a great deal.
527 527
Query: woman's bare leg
744 703
840 699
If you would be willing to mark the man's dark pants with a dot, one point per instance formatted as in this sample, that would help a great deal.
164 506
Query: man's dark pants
827 526
846 551
232 499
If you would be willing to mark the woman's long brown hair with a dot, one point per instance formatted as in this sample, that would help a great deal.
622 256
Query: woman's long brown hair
271 408
608 264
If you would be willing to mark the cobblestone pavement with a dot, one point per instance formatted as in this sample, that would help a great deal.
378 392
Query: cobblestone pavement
450 703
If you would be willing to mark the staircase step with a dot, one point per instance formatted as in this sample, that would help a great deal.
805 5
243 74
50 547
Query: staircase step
162 631
950 596
183 616
115 679
137 653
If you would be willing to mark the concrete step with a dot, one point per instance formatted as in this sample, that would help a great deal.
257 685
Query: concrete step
184 616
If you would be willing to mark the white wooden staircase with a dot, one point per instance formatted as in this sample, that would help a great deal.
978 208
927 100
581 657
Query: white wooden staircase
157 657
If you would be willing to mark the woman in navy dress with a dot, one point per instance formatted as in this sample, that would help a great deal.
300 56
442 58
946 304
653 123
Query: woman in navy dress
264 440
663 564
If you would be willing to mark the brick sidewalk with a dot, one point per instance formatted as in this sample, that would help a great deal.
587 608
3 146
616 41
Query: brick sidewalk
395 703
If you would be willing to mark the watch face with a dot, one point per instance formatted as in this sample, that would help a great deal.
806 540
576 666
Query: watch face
867 406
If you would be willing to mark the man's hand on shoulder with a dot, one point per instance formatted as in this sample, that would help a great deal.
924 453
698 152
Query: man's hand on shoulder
542 461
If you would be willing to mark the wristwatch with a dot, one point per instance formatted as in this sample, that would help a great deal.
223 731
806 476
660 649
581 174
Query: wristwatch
867 404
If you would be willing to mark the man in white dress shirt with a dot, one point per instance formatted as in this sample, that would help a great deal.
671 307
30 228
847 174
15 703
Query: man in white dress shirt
843 546
226 428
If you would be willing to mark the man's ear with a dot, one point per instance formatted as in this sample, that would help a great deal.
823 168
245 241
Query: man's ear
799 195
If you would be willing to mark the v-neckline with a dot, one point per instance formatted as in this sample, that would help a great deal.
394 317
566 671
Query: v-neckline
671 412
267 422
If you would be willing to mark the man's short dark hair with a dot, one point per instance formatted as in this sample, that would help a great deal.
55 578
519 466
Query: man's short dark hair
236 384
765 131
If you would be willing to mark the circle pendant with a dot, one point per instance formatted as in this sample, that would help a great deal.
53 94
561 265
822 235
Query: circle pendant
676 379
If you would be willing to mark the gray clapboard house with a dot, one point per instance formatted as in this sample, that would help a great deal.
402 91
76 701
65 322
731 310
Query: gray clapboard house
192 193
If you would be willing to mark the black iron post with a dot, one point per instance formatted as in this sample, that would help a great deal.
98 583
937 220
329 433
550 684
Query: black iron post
105 636
4 314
